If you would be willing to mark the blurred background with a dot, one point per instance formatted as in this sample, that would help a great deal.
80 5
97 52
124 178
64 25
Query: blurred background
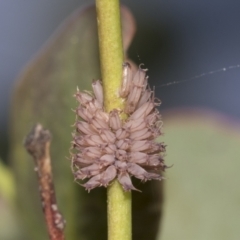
176 40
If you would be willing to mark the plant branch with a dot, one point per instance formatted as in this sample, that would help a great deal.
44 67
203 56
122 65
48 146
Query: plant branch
37 144
111 51
111 59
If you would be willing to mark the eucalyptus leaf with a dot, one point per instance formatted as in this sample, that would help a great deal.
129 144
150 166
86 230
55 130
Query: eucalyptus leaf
202 197
9 227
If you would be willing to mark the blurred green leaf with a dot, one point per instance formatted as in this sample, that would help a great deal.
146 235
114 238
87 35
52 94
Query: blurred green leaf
44 94
9 228
7 185
9 225
202 198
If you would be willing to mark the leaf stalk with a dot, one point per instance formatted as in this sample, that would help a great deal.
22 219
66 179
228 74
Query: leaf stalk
111 60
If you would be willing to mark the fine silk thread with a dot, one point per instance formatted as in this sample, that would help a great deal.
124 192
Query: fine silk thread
197 77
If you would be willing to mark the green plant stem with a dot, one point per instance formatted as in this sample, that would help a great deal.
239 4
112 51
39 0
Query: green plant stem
111 59
111 51
119 213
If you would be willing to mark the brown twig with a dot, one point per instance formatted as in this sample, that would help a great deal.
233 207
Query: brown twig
37 144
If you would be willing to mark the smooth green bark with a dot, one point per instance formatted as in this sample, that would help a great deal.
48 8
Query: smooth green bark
111 59
111 51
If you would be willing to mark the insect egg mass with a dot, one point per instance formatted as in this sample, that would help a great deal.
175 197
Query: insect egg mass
108 147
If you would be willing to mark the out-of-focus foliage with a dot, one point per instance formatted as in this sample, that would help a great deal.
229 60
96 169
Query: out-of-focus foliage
44 94
9 228
202 197
7 185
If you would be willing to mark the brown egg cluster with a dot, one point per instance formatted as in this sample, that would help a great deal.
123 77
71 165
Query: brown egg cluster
107 147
